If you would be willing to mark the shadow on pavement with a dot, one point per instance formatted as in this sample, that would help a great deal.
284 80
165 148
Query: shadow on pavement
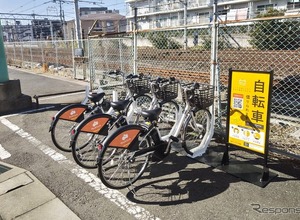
287 168
33 109
179 180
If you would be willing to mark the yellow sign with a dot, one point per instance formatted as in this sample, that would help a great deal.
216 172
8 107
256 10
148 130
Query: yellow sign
248 113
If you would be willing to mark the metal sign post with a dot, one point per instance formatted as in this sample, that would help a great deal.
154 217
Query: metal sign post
248 119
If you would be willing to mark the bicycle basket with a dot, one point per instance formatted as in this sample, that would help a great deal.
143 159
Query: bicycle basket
167 92
138 86
203 97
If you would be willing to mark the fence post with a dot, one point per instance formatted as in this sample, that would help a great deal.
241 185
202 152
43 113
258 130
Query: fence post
56 54
121 53
91 65
106 54
42 50
135 42
22 64
31 59
214 49
14 53
185 24
73 59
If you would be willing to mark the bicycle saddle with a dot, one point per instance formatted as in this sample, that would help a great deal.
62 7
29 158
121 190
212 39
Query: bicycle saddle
120 105
96 97
151 115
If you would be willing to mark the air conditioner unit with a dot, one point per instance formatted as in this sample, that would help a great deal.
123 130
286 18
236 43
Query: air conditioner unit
227 7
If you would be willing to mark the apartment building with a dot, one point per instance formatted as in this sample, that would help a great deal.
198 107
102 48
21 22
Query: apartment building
39 29
153 14
97 21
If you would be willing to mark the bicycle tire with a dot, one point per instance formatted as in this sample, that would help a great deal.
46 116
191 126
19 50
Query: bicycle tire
64 122
141 102
88 137
168 117
196 128
117 167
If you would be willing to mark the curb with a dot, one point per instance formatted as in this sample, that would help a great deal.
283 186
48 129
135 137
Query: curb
25 197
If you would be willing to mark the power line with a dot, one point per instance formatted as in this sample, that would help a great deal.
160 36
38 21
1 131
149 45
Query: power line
36 6
22 6
14 16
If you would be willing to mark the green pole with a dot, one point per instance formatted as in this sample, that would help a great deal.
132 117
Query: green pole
3 64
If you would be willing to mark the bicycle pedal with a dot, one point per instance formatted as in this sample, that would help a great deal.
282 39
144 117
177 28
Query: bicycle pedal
173 138
157 156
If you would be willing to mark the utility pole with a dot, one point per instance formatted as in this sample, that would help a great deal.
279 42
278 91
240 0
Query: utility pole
77 24
60 12
62 19
184 2
51 32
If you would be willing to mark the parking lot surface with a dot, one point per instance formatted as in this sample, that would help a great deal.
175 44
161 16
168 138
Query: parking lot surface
176 188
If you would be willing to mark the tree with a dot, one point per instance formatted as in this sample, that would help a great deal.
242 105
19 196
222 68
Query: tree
161 41
275 34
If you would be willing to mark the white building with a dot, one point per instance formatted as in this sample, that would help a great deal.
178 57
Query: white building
153 14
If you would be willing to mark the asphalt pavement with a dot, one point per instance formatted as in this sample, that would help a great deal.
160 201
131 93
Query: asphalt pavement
22 195
37 181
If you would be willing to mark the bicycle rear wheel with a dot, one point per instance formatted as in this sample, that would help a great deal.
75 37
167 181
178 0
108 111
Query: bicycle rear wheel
85 150
196 128
118 167
61 134
64 122
88 137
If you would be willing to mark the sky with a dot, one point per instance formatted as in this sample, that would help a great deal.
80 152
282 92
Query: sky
48 7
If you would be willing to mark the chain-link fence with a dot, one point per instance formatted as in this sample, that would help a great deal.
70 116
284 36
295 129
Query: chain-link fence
264 45
163 53
54 56
106 55
259 45
256 45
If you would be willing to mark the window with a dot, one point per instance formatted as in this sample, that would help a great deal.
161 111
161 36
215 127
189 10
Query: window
293 4
262 8
222 12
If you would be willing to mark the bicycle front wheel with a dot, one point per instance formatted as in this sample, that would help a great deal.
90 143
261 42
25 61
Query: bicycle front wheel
196 127
168 117
141 102
119 167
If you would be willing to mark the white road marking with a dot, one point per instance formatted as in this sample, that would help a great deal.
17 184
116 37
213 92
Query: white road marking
58 96
113 195
4 154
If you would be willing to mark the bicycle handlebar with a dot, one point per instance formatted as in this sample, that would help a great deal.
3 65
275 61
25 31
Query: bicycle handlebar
189 90
116 73
160 83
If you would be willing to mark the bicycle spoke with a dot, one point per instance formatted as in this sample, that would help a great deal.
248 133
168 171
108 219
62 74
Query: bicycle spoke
121 168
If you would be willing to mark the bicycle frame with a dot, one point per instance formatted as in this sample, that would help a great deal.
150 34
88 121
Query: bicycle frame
155 104
187 114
